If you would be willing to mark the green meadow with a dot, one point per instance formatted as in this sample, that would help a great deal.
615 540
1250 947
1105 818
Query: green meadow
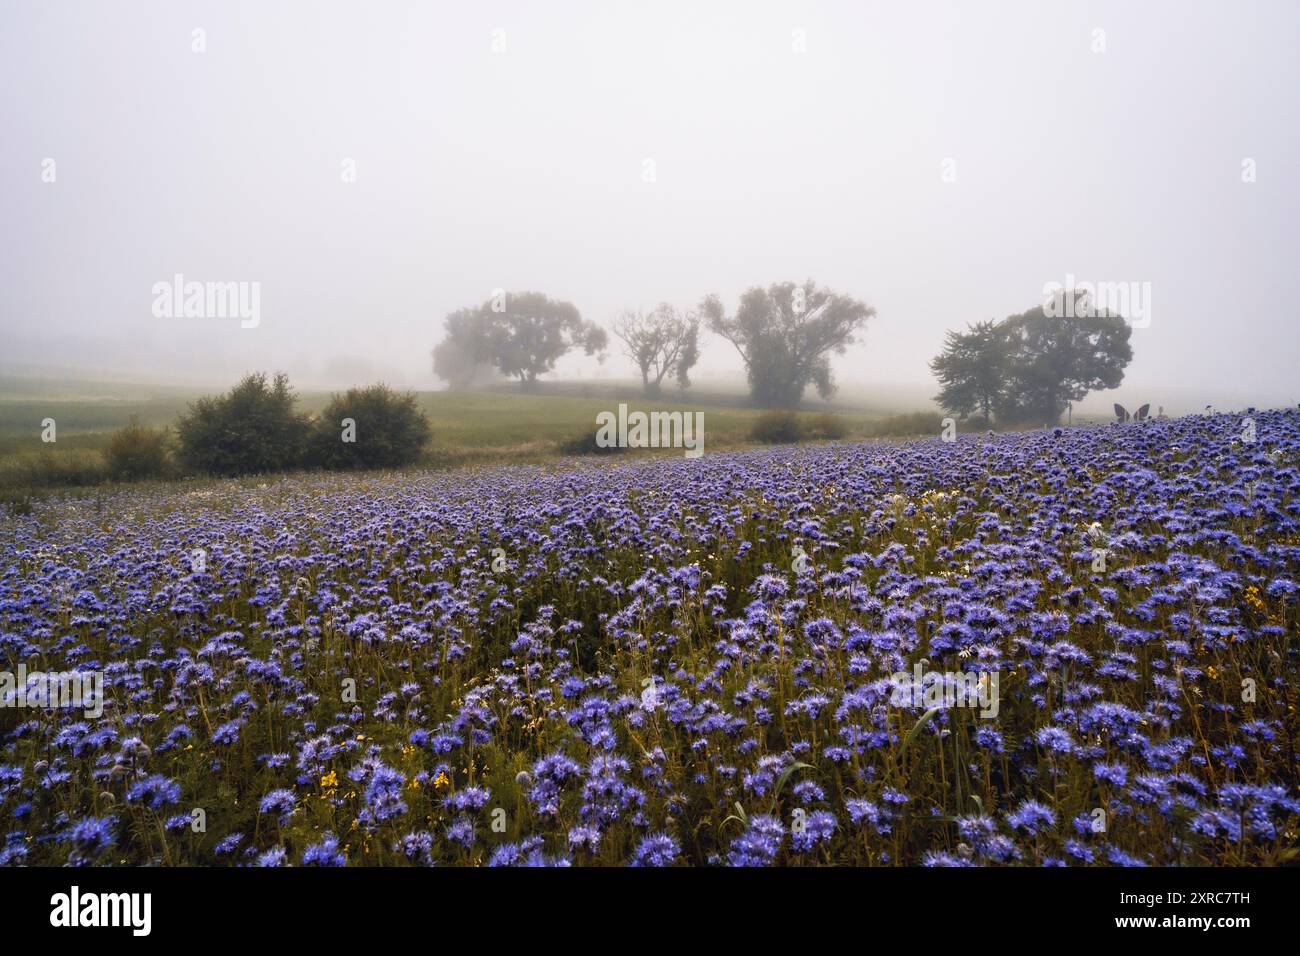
495 425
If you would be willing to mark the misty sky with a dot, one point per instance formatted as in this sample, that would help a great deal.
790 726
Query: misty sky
526 168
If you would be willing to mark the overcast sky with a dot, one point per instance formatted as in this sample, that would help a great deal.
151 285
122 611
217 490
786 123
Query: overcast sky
941 161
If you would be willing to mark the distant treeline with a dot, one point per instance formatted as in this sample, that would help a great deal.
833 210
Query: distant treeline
1025 369
785 334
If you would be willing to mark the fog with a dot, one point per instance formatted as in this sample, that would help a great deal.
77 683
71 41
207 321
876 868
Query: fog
374 166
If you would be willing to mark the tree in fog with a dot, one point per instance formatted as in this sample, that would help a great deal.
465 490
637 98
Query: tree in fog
660 343
786 334
462 358
1028 368
1057 359
972 369
520 334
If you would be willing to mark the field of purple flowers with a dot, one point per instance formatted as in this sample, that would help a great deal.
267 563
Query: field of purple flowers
673 661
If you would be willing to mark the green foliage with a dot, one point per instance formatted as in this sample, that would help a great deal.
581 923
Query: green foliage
137 451
779 428
786 334
252 429
1028 368
972 369
916 729
1058 359
389 430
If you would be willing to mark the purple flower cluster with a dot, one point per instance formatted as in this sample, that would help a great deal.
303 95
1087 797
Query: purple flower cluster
652 678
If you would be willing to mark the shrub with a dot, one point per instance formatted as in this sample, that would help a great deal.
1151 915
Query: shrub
915 423
387 430
136 451
586 444
253 428
778 428
828 426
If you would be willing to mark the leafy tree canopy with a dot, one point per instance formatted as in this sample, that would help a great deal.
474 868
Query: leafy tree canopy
786 334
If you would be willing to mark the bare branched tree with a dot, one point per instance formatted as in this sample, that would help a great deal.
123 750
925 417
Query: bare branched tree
661 342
